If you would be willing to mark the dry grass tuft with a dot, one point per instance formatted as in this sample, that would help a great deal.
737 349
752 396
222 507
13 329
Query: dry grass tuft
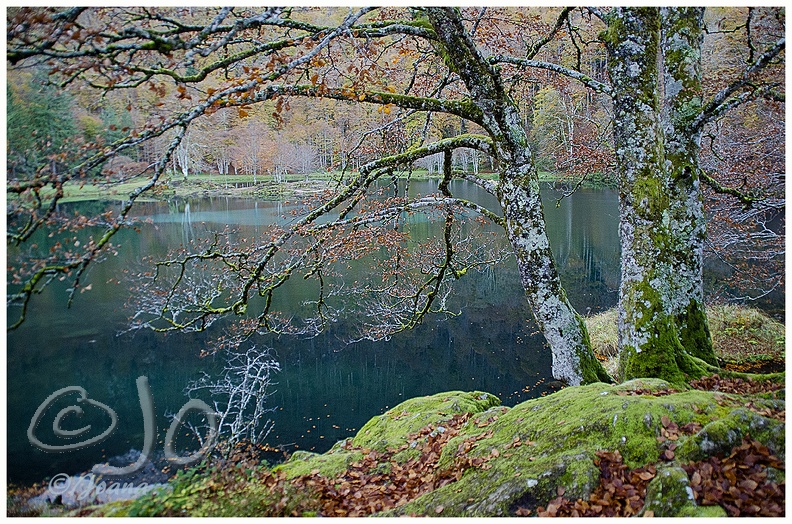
745 339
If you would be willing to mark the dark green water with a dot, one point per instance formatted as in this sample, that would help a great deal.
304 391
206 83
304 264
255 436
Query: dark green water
326 389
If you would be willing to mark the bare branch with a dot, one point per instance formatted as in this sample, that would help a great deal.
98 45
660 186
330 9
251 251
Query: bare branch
721 102
563 17
586 80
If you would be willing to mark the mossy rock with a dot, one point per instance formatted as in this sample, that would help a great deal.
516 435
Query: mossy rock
390 431
720 436
511 482
707 512
559 436
329 464
523 454
668 492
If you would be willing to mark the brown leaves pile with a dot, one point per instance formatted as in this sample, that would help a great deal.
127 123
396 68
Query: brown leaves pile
621 492
374 483
735 386
669 434
739 482
377 482
778 414
738 386
645 391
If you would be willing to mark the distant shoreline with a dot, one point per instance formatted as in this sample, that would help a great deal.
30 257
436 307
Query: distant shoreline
261 186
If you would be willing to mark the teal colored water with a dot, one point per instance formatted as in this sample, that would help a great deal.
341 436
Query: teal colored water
326 388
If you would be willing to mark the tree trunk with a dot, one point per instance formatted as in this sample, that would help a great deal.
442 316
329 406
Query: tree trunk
518 192
682 35
657 219
573 360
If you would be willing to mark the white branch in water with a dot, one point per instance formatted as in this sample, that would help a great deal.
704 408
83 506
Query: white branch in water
239 395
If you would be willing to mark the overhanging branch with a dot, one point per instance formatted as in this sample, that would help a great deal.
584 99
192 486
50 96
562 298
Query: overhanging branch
462 108
716 186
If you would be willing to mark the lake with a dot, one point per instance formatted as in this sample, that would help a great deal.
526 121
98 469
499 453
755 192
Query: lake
326 389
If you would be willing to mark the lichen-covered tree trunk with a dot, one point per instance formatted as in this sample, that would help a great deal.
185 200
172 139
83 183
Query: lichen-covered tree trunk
681 38
659 221
518 192
565 331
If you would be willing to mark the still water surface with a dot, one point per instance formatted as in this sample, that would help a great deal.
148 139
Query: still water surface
326 389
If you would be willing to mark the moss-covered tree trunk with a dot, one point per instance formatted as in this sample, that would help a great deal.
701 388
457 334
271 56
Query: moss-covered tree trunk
661 217
518 193
681 37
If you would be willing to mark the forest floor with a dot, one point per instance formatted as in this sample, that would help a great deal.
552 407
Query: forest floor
744 339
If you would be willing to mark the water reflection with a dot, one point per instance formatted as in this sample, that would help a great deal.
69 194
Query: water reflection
188 235
326 389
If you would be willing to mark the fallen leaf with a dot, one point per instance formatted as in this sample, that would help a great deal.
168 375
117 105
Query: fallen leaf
695 479
645 475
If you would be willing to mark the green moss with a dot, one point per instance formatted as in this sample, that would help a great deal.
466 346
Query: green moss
581 477
656 358
668 492
232 494
328 464
662 355
559 436
651 199
710 512
391 429
723 433
695 334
